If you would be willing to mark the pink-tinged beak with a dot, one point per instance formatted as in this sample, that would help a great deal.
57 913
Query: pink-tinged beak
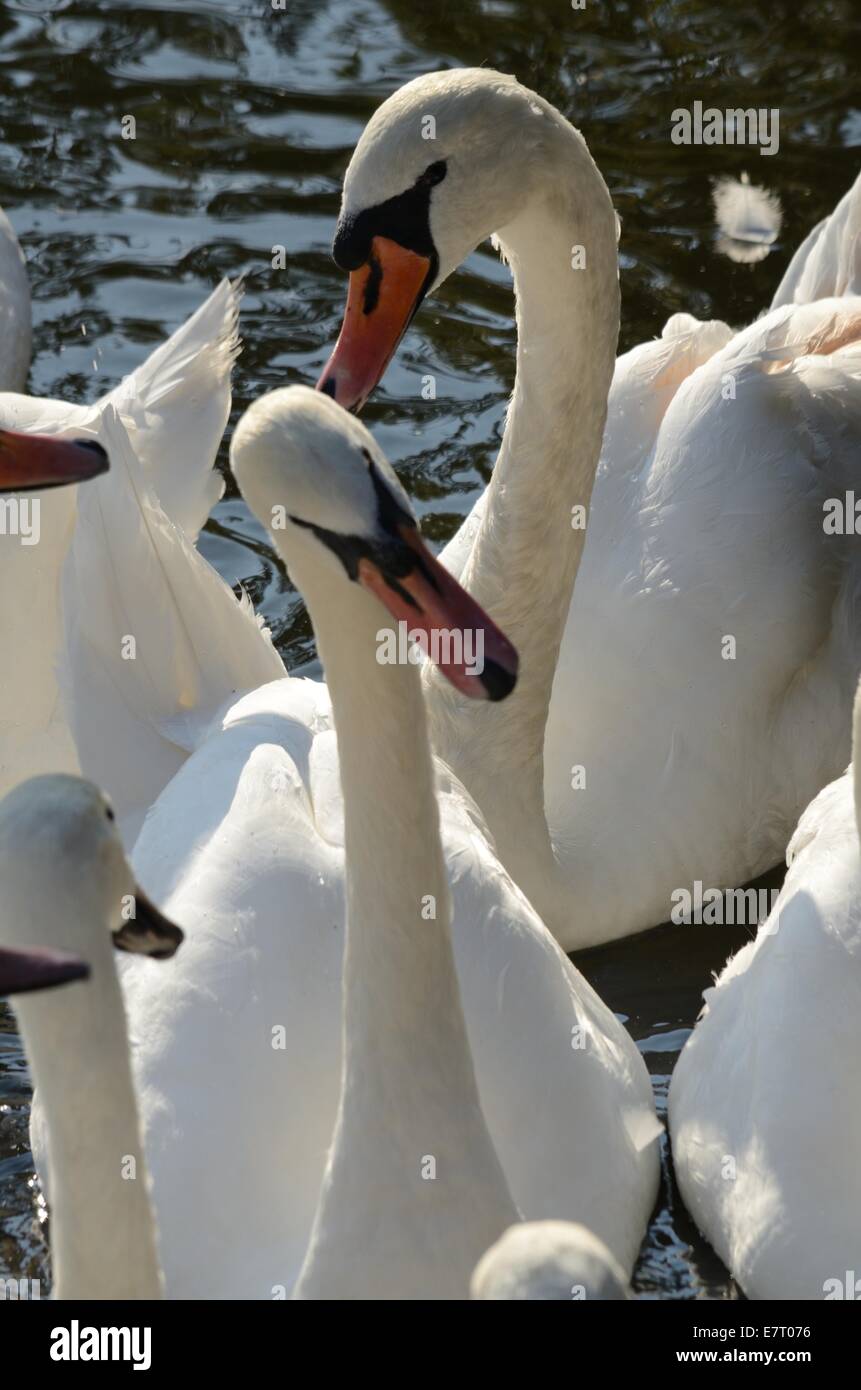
33 462
451 628
22 971
383 295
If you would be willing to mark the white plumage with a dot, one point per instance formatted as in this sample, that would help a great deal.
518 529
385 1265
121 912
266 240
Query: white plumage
245 846
116 561
765 1106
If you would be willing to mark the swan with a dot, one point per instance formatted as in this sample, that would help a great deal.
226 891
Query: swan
765 1103
118 562
705 521
247 841
413 1189
548 1261
59 846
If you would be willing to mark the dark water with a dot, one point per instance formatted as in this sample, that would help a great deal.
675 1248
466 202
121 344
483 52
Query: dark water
245 119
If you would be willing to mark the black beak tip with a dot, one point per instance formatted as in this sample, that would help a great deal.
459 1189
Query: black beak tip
92 446
95 446
497 681
170 938
165 954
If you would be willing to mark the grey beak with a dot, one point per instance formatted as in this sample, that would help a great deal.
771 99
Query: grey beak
148 932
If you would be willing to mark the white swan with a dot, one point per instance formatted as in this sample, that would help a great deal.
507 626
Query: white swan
67 884
118 562
542 1261
413 1190
765 1100
706 519
247 842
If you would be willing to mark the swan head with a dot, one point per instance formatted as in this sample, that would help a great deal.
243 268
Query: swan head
34 462
66 881
445 161
315 478
548 1261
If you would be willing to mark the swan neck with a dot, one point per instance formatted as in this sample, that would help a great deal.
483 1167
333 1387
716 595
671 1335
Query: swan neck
409 1097
563 256
399 950
527 550
103 1243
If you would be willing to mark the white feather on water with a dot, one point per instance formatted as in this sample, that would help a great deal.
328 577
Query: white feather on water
748 218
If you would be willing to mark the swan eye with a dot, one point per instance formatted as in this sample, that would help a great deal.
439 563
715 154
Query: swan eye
109 812
434 173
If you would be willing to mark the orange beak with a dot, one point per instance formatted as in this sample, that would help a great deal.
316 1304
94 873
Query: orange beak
31 462
383 295
37 968
449 626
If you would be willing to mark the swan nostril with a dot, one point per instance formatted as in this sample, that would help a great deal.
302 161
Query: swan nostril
327 387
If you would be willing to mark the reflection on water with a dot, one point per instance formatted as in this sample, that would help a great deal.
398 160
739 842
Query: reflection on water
245 118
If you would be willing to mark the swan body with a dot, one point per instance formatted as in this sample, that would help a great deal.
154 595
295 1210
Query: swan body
764 1102
548 1261
696 545
58 845
683 547
247 841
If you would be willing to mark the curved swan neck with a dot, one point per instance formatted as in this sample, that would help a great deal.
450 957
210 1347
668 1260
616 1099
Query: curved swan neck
567 317
526 553
103 1242
409 1099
